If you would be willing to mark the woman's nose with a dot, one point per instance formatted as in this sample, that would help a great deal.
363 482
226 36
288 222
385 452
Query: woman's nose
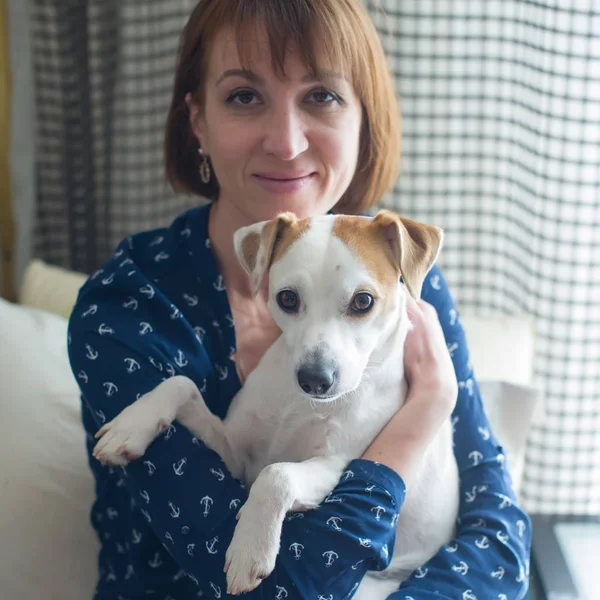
285 135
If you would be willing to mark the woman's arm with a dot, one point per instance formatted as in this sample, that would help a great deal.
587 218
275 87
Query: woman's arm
489 558
114 363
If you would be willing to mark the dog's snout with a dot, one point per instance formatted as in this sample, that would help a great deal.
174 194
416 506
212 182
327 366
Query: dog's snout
316 380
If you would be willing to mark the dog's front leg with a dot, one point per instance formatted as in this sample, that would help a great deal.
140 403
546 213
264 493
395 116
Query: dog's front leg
279 488
129 434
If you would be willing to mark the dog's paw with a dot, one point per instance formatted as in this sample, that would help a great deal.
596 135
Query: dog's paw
253 550
129 434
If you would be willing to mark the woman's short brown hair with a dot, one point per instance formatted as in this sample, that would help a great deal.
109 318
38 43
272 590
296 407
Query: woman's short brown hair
338 29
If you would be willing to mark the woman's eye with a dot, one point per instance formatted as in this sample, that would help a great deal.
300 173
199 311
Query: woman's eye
242 97
362 303
323 97
288 301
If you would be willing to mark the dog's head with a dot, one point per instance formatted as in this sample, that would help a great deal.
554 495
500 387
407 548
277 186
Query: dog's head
334 288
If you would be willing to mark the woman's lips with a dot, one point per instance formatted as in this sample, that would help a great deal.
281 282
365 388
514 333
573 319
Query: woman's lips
279 184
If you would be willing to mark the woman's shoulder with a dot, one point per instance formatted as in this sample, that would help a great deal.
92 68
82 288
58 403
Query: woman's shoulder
152 264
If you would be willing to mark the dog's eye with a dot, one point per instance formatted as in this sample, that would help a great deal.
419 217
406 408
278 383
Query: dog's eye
362 303
288 300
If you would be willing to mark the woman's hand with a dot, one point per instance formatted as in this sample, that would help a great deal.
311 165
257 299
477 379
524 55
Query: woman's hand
431 397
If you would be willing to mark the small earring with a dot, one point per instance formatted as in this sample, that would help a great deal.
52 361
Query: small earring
204 167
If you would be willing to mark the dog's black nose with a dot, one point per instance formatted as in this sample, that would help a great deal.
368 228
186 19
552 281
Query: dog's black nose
316 380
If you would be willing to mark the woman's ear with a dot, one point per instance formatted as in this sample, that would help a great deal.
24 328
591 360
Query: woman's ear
197 122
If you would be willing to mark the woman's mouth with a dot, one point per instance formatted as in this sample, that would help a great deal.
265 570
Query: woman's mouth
278 183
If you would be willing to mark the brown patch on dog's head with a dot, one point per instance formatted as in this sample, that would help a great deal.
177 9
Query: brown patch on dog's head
389 246
259 246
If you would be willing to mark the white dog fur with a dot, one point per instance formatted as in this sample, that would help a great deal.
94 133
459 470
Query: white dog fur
292 445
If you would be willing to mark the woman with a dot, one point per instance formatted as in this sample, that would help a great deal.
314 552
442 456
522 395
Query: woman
278 105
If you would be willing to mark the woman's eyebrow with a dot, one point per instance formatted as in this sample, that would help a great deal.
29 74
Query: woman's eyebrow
324 75
245 73
319 75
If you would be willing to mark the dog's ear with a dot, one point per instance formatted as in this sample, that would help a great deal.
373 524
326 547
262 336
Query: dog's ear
255 246
414 246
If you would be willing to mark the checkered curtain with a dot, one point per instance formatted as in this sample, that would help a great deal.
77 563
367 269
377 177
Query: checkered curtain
501 106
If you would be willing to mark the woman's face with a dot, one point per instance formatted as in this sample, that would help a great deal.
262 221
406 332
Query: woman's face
276 144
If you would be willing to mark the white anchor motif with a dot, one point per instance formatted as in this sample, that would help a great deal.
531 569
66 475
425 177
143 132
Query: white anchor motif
170 369
480 523
92 310
180 360
347 475
218 284
331 557
145 495
355 566
118 253
132 365
191 300
171 429
159 239
111 388
330 597
203 386
296 548
453 317
101 416
452 548
234 503
136 536
169 537
207 243
200 333
476 457
222 372
502 536
230 321
190 549
155 363
333 521
421 572
129 573
281 593
500 459
498 573
502 597
193 579
385 551
378 510
452 348
483 543
186 232
469 595
175 510
506 502
161 256
462 568
108 280
218 473
210 546
435 282
178 466
294 515
151 467
131 302
148 291
468 385
156 561
521 527
365 542
83 376
90 352
454 421
145 328
127 261
175 313
131 273
179 575
111 513
216 589
207 502
485 433
146 514
98 272
331 499
394 519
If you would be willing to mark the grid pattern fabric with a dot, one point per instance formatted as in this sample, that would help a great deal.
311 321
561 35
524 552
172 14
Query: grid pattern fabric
501 126
103 73
501 110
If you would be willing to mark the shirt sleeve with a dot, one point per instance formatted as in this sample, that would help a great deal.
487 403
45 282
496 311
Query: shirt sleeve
121 346
489 558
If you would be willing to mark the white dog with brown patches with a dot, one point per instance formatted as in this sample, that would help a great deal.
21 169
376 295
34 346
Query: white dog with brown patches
322 391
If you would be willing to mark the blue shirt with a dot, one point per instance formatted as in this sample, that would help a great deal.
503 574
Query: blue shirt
159 308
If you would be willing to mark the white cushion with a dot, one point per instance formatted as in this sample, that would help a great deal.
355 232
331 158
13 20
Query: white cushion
48 548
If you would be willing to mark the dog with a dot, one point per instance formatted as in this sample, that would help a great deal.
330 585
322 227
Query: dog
322 391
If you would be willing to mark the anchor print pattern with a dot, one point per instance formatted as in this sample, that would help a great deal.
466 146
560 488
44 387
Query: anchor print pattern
159 308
